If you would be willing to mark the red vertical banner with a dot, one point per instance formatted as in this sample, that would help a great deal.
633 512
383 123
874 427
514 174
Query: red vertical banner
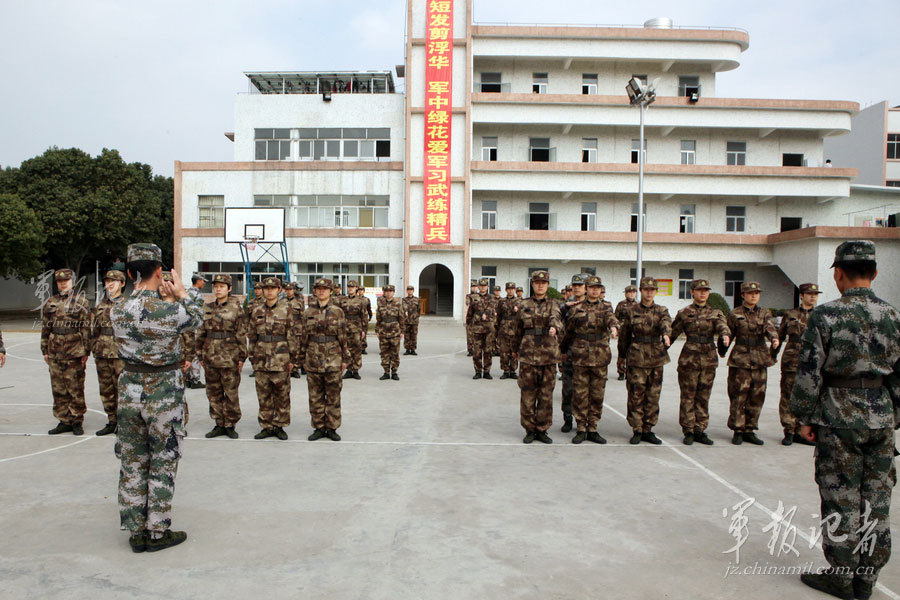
438 119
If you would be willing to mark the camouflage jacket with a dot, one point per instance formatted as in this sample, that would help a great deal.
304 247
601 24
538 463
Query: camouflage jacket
297 303
470 297
642 332
621 310
355 311
272 334
793 324
188 345
855 336
66 330
323 338
195 295
482 314
507 310
753 326
103 342
532 337
411 308
221 341
389 320
586 341
148 329
700 326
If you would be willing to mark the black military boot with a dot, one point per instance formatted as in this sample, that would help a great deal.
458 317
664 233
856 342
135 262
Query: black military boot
364 351
77 429
385 376
595 437
406 353
579 437
332 435
542 437
513 375
862 590
487 375
216 431
295 374
567 424
169 538
529 437
60 428
138 541
650 437
688 439
802 440
263 434
751 438
252 373
788 439
505 375
737 439
348 374
394 376
477 375
413 353
636 438
107 429
231 433
701 438
316 435
828 583
621 377
356 375
469 353
281 434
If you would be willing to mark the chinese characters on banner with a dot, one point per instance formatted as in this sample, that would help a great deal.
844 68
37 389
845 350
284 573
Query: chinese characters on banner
438 114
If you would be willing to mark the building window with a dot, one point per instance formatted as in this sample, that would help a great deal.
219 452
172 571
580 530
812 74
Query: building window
490 82
632 274
635 144
791 223
539 83
688 152
892 183
736 153
684 283
539 150
211 210
893 145
489 214
688 85
347 143
589 83
686 220
539 216
553 281
588 150
634 216
489 148
733 281
491 274
735 218
369 275
791 160
589 216
324 211
588 270
273 144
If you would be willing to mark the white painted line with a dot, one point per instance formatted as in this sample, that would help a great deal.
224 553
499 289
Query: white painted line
49 406
81 441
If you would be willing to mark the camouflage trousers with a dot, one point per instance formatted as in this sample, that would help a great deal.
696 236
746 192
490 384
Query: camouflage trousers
222 392
273 389
468 339
855 473
67 384
325 399
355 347
644 385
746 393
149 444
482 354
568 388
494 342
507 363
696 386
390 352
589 385
788 420
410 336
620 365
108 371
536 383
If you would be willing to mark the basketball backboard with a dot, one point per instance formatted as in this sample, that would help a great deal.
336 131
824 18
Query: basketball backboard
266 225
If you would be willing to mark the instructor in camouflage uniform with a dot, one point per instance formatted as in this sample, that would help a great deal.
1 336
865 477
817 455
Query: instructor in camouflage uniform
621 308
411 309
846 397
389 323
105 350
473 293
481 318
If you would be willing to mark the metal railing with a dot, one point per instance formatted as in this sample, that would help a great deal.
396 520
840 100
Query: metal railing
615 26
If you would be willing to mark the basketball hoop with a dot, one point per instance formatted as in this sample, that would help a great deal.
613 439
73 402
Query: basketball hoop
250 244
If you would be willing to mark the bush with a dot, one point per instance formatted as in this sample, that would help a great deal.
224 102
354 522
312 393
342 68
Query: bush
552 292
719 302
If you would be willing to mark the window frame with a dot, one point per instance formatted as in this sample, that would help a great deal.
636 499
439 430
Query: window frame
734 157
736 223
689 156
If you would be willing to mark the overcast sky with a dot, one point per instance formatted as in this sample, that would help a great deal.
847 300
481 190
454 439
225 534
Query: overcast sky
156 79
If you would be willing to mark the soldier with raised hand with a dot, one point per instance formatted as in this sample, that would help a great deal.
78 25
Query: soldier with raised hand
222 346
325 352
481 318
195 371
151 398
470 297
846 397
646 330
411 309
188 336
577 295
389 323
621 309
105 349
589 325
793 324
700 323
357 322
66 345
537 350
748 363
274 350
507 310
295 301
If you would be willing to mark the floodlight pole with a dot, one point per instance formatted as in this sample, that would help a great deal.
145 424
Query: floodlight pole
643 95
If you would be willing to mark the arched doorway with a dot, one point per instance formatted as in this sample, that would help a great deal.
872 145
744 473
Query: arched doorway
436 290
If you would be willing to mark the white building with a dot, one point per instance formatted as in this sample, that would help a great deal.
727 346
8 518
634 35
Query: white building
543 147
873 146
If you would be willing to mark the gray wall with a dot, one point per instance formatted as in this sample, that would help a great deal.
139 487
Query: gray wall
863 148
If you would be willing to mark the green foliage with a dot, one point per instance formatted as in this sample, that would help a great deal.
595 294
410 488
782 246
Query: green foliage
21 239
718 301
552 292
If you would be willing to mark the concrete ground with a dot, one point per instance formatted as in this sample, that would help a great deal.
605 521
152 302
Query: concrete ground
430 495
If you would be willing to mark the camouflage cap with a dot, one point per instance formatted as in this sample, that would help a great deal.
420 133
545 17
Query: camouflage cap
567 288
496 288
474 282
271 282
510 285
519 289
257 284
115 276
352 283
649 283
809 288
167 276
323 282
387 288
197 275
409 287
602 288
222 278
144 251
299 285
578 279
483 281
750 286
700 284
592 281
541 275
289 285
854 251
630 288
63 274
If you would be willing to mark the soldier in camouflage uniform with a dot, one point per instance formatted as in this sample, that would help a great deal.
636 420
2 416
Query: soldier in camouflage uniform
222 346
603 299
846 397
251 302
365 339
537 350
151 399
482 318
566 367
105 350
748 363
195 372
520 293
473 293
700 324
188 336
411 308
793 324
274 350
355 312
297 305
66 345
389 323
506 330
324 350
646 330
621 308
585 345
495 334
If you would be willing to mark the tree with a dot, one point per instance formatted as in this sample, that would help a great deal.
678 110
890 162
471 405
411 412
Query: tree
21 239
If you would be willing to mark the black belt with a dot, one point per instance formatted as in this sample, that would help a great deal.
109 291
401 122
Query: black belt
509 318
389 319
537 331
869 383
647 339
754 341
63 330
106 331
321 339
219 335
794 338
591 337
141 368
271 338
701 339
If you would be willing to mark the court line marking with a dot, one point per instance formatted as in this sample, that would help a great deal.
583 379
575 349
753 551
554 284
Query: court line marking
81 441
16 356
47 406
